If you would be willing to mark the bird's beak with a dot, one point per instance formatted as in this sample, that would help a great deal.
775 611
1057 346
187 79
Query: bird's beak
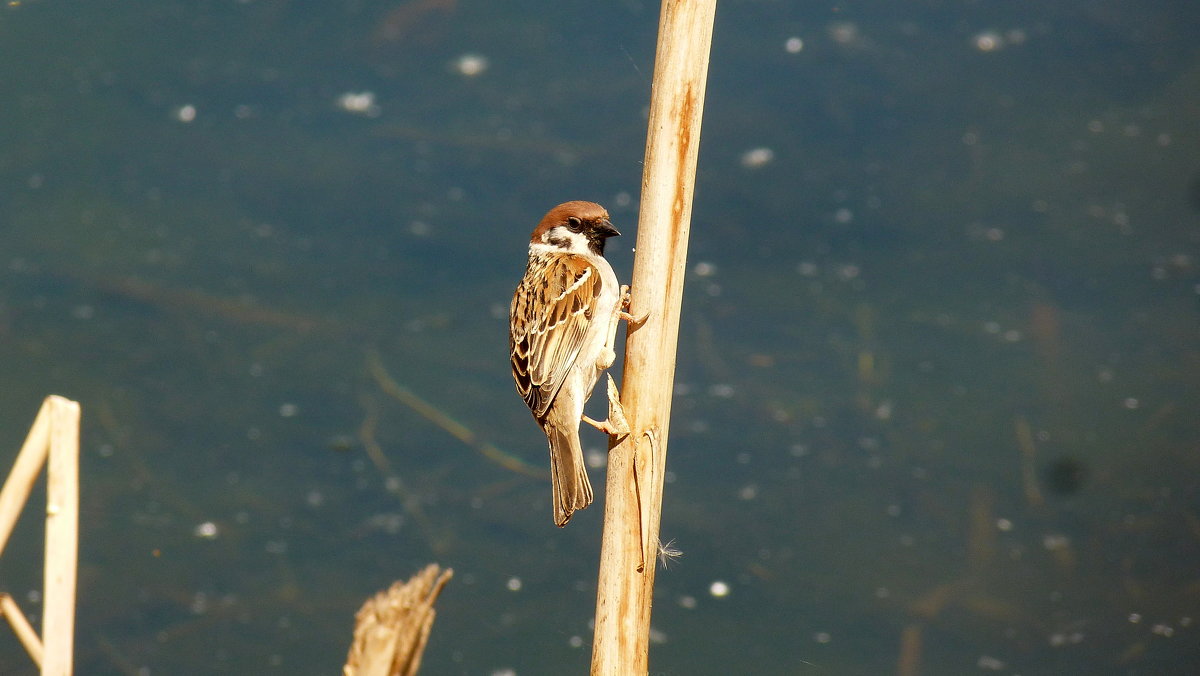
605 229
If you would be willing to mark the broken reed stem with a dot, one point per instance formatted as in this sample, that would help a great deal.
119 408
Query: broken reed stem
54 435
637 461
393 626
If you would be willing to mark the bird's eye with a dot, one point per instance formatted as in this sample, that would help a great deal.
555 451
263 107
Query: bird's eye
574 223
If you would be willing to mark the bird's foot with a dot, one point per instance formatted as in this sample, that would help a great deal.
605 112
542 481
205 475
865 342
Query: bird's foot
635 321
616 425
605 426
626 298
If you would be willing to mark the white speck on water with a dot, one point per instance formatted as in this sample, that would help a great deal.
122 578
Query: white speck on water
513 584
884 410
757 157
1060 639
988 663
988 41
471 65
288 410
206 531
359 103
1054 542
718 589
793 45
721 390
185 113
844 33
849 271
596 458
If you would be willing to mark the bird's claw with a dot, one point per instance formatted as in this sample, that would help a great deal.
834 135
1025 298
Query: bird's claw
605 426
636 321
616 425
626 298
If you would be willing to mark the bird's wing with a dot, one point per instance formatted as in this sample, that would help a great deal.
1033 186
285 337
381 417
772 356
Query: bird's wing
550 316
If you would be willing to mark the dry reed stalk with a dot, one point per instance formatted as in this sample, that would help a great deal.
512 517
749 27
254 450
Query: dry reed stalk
24 472
54 434
62 538
637 461
392 627
20 626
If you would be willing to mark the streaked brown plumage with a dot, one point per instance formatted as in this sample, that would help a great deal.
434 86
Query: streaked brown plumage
562 325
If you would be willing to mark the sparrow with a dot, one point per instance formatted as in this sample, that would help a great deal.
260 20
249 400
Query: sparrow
562 329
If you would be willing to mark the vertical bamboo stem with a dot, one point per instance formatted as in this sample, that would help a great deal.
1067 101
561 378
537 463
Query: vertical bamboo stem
62 538
637 463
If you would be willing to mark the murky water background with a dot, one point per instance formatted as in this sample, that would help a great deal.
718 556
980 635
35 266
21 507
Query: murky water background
939 373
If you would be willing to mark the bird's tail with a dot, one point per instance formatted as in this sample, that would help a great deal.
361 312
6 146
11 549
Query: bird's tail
568 474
